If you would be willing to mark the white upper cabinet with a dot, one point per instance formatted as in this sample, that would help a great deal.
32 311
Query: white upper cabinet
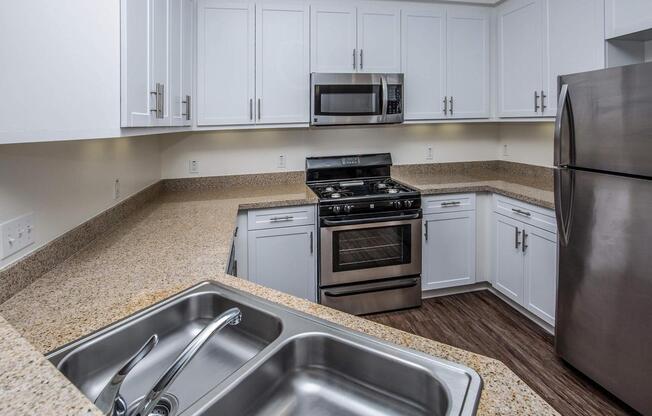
333 39
345 38
379 39
468 62
282 62
226 62
424 62
446 59
538 40
181 58
575 38
521 46
623 17
145 63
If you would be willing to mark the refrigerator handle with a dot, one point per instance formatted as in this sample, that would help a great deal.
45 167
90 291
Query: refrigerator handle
563 220
564 106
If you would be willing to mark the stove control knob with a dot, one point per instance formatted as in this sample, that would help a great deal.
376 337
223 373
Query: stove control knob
408 203
348 208
398 204
337 209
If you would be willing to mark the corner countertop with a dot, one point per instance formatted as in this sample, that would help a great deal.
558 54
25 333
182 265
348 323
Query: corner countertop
172 243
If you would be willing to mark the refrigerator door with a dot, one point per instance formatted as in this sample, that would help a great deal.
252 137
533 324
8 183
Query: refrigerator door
604 121
604 303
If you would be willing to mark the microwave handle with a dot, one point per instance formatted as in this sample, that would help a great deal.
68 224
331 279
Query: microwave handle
383 80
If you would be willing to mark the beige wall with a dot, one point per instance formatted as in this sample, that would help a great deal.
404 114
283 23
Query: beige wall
241 152
530 143
67 183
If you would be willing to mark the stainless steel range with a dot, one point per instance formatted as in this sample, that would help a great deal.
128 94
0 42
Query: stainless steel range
370 234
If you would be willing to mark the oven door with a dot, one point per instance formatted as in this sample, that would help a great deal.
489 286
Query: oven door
348 99
354 251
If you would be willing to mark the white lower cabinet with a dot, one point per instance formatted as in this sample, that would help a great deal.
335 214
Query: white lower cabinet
525 265
278 249
448 250
449 241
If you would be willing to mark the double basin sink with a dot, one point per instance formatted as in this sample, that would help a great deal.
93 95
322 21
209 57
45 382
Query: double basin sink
276 361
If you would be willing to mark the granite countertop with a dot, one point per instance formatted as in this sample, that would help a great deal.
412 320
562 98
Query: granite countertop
172 243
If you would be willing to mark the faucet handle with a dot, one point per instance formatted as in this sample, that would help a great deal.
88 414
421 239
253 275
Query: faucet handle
109 400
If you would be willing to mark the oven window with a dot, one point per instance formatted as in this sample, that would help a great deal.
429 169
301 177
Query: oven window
349 100
371 247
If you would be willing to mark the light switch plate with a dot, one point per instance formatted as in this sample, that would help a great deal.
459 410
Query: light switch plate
16 234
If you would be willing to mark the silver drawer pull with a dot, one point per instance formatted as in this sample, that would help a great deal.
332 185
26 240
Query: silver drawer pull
518 211
450 204
282 219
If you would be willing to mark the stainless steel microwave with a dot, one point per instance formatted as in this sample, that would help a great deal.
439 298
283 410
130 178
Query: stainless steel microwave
340 99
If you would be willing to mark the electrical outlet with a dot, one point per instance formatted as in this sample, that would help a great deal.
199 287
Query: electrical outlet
193 167
282 161
505 150
430 154
116 189
16 234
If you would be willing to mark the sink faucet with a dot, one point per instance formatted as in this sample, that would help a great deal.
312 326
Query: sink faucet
231 317
111 403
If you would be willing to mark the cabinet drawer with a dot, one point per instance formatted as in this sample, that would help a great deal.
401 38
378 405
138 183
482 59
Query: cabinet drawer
259 219
448 203
526 213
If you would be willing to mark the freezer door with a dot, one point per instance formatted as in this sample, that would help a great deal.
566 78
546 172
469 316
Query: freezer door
604 303
604 122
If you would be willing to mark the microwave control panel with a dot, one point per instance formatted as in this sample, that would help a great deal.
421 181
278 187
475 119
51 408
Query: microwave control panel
394 101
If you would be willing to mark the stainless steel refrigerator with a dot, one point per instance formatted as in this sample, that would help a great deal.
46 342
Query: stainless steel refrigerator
603 198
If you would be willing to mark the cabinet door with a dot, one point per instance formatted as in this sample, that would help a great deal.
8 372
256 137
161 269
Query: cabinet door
520 57
575 38
136 83
540 273
284 259
508 268
181 38
379 39
424 62
225 58
333 38
282 62
468 62
159 56
449 250
627 16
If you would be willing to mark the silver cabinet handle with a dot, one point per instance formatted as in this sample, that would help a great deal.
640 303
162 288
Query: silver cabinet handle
187 103
159 100
450 204
543 101
311 242
445 105
518 211
282 219
259 115
251 109
516 235
451 109
355 60
525 246
536 101
361 59
426 232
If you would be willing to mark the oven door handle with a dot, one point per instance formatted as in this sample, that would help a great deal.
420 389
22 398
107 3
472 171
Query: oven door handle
372 220
374 287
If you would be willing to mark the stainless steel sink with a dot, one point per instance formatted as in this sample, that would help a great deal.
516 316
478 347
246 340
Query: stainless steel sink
277 361
90 363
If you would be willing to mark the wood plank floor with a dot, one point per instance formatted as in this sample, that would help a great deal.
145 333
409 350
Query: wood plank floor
481 322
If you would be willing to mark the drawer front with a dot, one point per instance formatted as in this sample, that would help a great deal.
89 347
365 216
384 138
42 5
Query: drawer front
437 204
260 219
526 213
